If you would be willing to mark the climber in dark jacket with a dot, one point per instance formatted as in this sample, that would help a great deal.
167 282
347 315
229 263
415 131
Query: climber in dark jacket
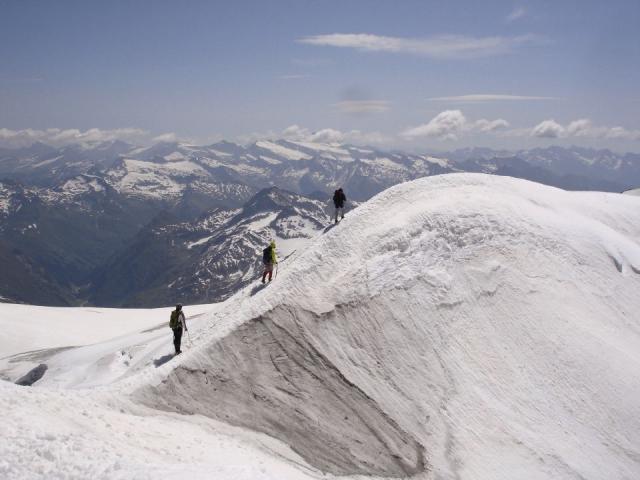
339 199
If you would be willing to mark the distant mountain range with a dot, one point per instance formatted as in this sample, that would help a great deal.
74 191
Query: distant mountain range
169 171
572 168
118 225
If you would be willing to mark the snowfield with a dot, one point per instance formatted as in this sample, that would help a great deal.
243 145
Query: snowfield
25 328
454 327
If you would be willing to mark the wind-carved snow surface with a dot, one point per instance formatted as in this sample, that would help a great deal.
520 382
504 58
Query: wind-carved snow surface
269 378
454 327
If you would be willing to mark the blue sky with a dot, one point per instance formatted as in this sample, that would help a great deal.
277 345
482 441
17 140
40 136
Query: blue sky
407 74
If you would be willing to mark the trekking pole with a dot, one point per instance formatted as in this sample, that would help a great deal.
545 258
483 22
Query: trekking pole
189 337
277 265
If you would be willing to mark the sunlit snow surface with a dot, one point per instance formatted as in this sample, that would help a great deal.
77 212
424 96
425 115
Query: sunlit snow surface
26 328
460 326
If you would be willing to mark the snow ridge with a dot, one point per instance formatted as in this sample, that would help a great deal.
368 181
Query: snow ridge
467 310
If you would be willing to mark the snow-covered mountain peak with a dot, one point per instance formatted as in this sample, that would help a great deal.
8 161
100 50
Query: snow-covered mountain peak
272 198
275 148
336 151
158 150
83 184
459 326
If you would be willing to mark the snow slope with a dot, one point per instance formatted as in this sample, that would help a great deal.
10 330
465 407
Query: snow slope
63 429
460 326
26 327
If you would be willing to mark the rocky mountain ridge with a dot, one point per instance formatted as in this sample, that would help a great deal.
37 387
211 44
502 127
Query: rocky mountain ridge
66 213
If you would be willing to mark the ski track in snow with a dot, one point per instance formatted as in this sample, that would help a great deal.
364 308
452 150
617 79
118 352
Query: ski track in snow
454 327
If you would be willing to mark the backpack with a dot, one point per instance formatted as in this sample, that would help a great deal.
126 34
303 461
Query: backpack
266 255
175 319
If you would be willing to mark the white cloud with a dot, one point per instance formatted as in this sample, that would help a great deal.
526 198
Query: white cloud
446 126
452 125
295 132
583 128
59 137
621 133
484 125
360 107
441 46
328 135
481 98
331 135
580 128
517 13
369 138
302 134
168 137
548 129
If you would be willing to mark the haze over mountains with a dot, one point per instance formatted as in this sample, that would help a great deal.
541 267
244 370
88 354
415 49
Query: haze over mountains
118 225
